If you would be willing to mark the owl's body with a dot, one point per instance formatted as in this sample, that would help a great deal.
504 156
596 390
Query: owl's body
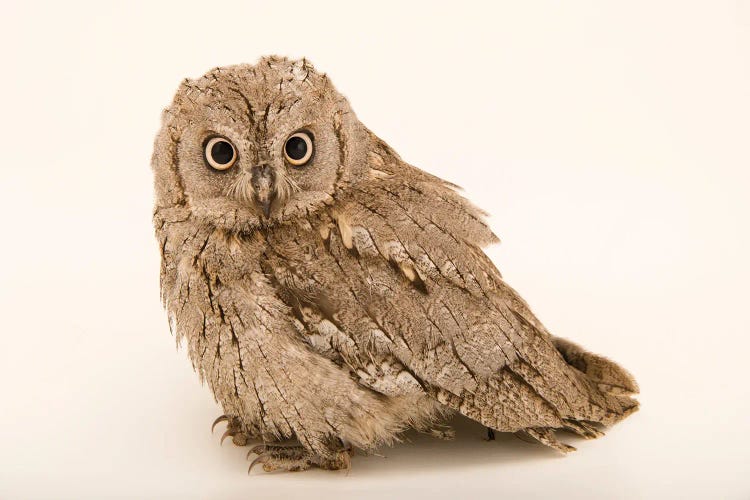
332 293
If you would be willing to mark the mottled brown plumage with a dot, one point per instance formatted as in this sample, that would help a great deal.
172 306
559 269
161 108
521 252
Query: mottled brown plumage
344 300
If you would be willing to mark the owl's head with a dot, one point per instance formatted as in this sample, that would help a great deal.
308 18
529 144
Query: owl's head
252 145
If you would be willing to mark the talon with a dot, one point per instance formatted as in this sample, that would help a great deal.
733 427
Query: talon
261 459
222 418
257 449
227 433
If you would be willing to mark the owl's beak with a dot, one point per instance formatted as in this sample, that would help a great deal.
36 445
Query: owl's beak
263 182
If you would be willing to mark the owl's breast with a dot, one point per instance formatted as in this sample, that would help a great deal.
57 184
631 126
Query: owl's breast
242 305
321 294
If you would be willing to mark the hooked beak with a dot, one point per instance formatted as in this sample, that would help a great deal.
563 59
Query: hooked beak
263 182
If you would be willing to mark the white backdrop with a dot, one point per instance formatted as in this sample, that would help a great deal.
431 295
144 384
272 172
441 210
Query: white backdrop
609 140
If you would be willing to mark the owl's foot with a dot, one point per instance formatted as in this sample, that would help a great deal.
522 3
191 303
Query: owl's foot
296 458
234 430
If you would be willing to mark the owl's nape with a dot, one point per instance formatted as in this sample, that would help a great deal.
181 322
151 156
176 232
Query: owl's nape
332 294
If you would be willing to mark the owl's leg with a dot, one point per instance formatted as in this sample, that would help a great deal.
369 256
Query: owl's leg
297 458
490 434
240 434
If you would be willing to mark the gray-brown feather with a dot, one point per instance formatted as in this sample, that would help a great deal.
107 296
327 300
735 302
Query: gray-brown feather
363 304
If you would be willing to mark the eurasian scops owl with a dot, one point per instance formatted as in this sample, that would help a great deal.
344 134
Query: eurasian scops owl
330 293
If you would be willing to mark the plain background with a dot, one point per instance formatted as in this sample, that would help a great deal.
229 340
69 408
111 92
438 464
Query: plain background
609 140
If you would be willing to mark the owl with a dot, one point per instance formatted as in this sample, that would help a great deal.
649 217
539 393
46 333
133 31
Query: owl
333 296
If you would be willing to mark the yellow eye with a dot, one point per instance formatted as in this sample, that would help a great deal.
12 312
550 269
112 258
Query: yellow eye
298 148
220 153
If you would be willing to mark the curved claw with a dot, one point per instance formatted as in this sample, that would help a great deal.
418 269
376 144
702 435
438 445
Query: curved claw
260 459
222 418
227 433
256 450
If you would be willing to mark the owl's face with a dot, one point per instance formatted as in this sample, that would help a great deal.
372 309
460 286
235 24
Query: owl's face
248 146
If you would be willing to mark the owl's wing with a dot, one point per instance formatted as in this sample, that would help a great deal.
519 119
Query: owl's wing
401 271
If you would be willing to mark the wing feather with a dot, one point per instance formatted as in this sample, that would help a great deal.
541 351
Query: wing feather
398 259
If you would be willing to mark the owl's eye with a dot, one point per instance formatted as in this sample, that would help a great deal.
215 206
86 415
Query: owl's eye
220 153
298 148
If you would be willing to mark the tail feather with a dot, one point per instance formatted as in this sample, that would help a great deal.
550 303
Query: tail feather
582 428
546 436
608 375
614 384
577 392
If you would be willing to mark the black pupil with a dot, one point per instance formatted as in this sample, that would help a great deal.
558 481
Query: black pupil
296 148
222 152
